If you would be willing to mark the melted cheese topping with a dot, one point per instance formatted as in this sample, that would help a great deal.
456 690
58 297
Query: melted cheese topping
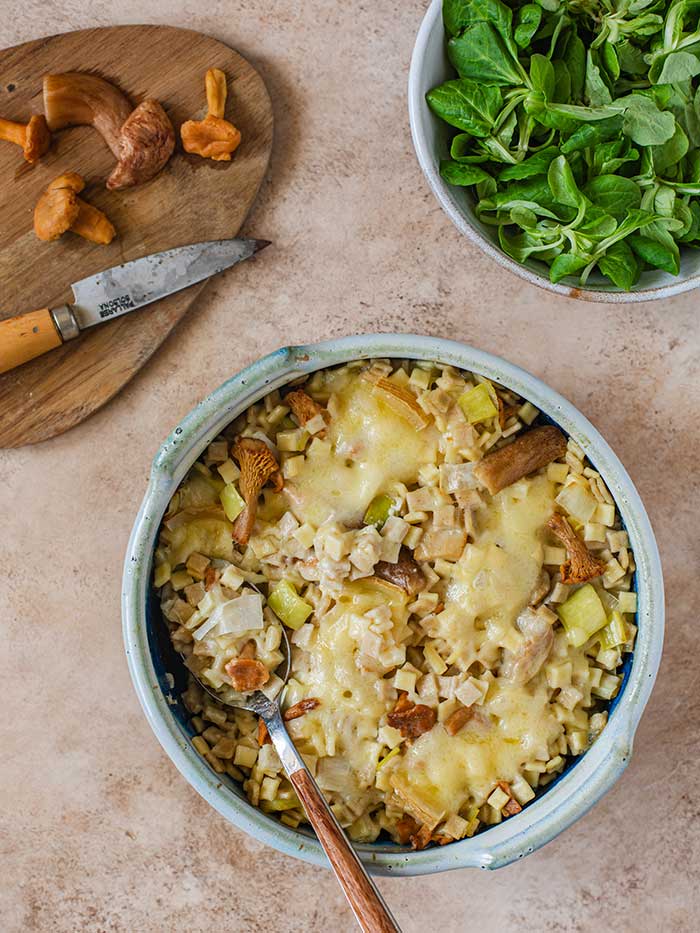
369 448
497 573
444 772
490 587
351 706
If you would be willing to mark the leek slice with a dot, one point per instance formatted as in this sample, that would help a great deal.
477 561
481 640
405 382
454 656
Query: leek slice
478 403
378 511
615 632
279 805
582 615
288 606
210 536
232 501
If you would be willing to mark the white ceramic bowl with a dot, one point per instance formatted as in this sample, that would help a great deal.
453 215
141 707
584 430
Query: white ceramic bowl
151 659
431 136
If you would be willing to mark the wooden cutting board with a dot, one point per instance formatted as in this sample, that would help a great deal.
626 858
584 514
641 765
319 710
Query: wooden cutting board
192 199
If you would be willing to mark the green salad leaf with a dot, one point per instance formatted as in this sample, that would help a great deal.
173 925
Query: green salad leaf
467 105
576 127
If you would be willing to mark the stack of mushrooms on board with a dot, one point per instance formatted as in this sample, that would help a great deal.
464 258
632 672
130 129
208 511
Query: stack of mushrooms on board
141 138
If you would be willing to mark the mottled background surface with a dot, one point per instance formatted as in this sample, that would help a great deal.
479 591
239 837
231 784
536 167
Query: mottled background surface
99 832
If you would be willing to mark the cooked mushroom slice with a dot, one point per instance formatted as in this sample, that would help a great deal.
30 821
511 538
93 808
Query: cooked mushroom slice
528 453
400 400
248 649
60 209
34 137
505 412
211 577
263 734
213 137
77 99
258 466
411 719
146 142
406 828
581 565
519 667
305 409
512 807
300 708
406 572
247 674
422 839
142 140
540 589
456 721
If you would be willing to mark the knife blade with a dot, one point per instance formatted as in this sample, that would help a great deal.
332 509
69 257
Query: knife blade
117 291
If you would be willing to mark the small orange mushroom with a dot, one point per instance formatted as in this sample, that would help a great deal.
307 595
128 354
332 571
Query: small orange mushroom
60 209
34 138
581 565
213 137
258 466
304 408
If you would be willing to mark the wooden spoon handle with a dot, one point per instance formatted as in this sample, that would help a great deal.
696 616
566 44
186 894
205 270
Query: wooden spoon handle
367 904
365 900
26 336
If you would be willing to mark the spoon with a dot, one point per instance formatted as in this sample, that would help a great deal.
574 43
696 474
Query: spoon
366 902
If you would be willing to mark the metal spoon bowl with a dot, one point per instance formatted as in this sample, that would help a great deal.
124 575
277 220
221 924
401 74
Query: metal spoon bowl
366 902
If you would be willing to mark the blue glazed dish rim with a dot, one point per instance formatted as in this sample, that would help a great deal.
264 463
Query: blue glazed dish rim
583 782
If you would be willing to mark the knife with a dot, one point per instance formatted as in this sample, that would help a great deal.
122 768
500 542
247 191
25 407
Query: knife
117 291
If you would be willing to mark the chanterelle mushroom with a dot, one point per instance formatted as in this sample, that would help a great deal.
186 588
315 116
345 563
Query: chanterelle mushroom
581 565
60 209
213 137
304 408
258 466
528 453
34 137
142 140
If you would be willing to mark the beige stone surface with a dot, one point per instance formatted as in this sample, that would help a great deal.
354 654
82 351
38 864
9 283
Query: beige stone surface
99 831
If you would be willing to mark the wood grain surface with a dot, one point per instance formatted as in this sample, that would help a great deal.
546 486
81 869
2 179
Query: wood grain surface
192 199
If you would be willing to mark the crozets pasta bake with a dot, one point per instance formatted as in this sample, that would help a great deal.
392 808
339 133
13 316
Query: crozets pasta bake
454 579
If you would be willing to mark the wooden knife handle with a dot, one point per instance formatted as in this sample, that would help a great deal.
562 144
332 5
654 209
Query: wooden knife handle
365 900
26 336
